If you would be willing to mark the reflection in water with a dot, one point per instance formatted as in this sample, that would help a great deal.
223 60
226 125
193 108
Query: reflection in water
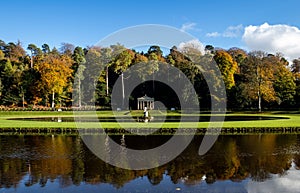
248 163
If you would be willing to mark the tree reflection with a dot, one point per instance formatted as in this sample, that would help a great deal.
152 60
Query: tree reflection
43 159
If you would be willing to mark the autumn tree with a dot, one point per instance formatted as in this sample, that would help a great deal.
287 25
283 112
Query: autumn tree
54 71
227 66
259 75
15 52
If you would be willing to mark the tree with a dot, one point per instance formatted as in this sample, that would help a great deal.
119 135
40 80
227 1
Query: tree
296 66
121 62
227 66
106 58
45 48
54 72
67 48
284 81
209 49
77 83
296 73
239 55
1 55
157 51
12 66
6 77
34 50
91 73
187 63
78 70
259 75
15 53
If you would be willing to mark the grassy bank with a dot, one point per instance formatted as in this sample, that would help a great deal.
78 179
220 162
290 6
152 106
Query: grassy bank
292 120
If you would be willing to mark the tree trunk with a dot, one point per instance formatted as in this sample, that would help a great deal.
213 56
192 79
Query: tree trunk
53 104
79 92
259 90
259 101
106 80
31 60
123 92
23 100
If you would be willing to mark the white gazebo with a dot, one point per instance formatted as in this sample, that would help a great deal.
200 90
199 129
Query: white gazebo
145 101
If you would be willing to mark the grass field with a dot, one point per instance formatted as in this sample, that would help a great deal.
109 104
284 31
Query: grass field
292 121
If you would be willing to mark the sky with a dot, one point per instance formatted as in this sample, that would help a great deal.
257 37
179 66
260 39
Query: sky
271 26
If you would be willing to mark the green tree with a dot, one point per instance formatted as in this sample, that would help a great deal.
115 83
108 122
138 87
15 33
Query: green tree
209 49
120 63
296 73
155 50
35 51
284 81
45 48
91 73
11 82
106 58
78 71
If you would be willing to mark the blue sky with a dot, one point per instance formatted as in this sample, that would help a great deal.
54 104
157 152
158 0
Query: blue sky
83 23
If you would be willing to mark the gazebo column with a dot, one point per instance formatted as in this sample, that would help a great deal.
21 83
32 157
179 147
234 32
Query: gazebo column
138 105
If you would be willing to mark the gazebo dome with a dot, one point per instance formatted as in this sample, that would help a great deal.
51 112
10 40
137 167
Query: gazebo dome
145 101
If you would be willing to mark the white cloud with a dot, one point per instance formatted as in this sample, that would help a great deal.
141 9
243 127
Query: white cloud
188 27
274 38
233 31
288 183
230 32
213 34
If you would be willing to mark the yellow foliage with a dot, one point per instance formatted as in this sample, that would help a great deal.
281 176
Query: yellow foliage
55 71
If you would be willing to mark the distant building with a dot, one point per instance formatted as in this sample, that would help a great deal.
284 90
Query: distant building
145 101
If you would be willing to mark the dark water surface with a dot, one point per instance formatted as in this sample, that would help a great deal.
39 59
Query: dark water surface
60 163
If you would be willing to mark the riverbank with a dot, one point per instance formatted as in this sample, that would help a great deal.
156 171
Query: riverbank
15 121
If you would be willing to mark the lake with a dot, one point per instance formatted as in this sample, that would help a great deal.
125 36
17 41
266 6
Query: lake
236 163
156 119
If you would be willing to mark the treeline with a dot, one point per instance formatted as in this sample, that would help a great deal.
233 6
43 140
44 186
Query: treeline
46 77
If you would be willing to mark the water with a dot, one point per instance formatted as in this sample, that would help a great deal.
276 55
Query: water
61 163
156 119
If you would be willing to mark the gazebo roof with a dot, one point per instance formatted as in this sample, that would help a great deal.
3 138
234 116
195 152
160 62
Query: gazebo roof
145 98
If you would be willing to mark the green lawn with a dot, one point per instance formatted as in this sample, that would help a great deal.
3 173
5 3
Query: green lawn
5 122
